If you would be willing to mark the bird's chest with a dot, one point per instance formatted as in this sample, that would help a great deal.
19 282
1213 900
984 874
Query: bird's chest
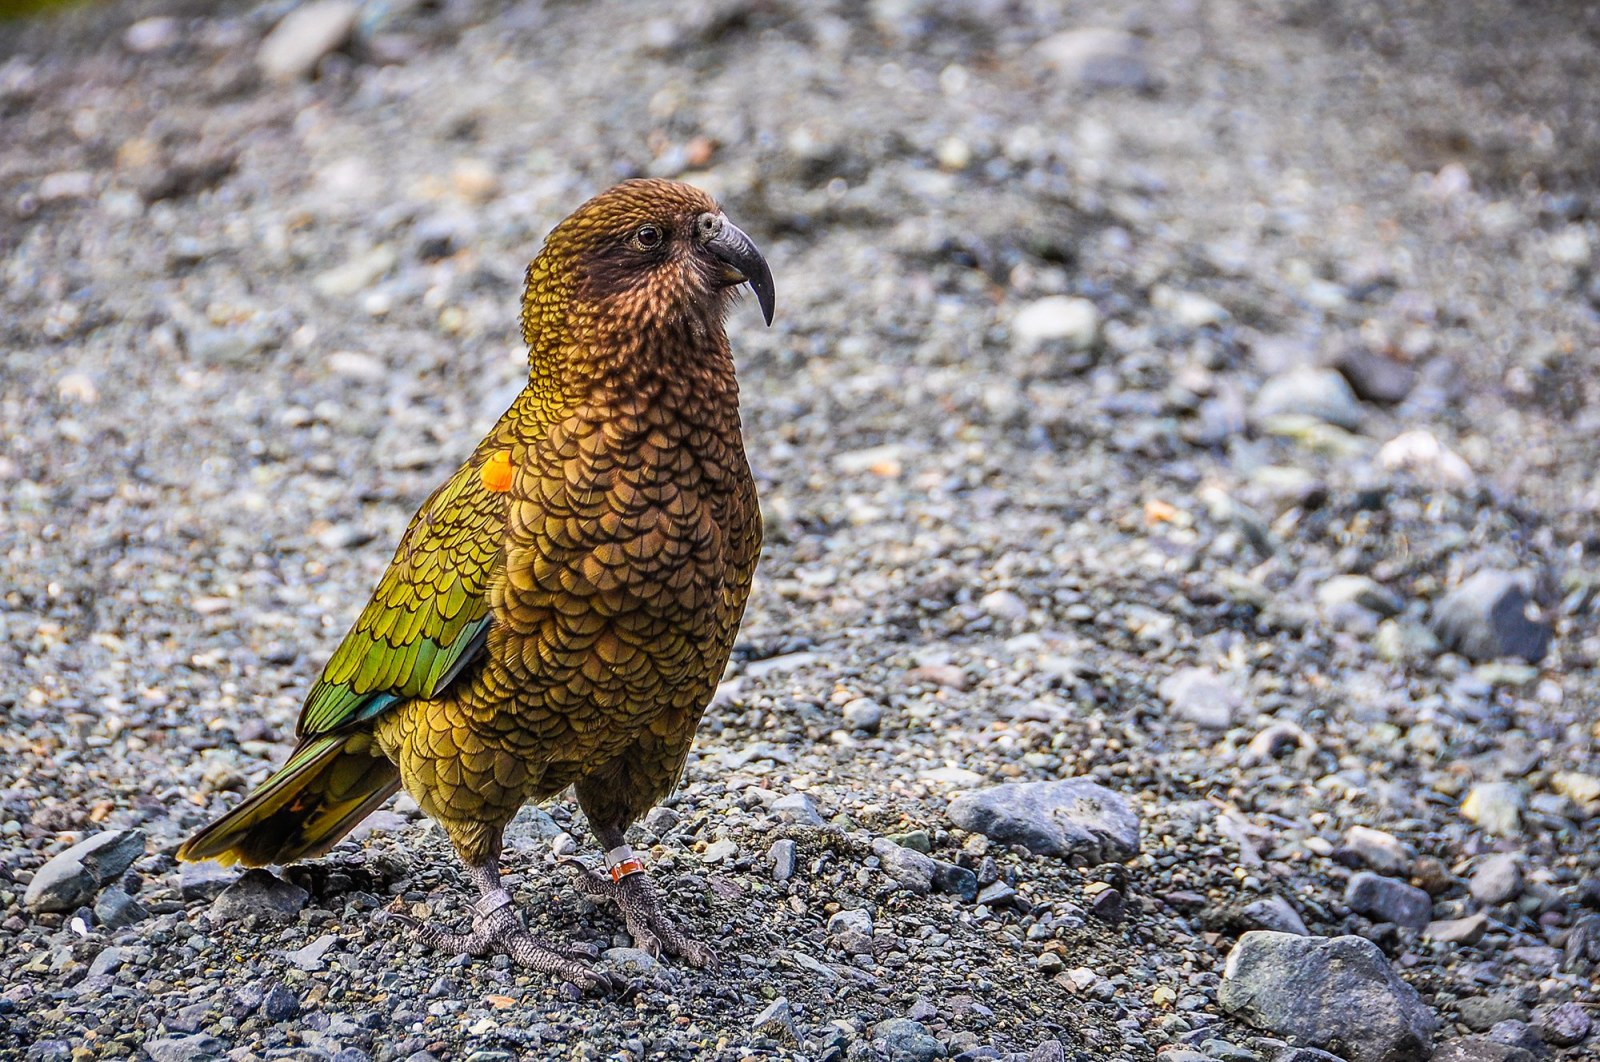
624 514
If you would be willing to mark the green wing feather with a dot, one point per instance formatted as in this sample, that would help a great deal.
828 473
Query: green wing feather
428 617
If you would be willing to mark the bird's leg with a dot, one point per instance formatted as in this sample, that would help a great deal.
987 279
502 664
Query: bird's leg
496 927
627 885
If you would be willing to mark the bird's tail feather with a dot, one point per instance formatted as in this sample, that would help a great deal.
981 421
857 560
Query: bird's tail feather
305 808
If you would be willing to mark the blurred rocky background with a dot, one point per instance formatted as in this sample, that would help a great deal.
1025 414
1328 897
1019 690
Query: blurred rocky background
1178 443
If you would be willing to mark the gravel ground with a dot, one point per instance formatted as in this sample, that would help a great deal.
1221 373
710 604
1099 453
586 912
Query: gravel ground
1202 406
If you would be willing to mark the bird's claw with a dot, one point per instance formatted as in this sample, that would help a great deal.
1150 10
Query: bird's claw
501 930
652 930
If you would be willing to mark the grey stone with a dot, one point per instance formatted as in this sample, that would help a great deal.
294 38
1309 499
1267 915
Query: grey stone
955 880
1387 900
1200 696
1496 807
995 894
71 879
204 881
115 908
1305 1054
1276 915
864 714
532 828
776 1021
1376 378
1052 1051
280 1004
1382 852
1339 994
907 1041
798 808
1319 393
1480 1049
1497 879
258 893
152 35
1098 58
309 958
1485 618
783 855
723 849
1481 1013
633 960
304 36
1073 817
1565 1025
1074 323
1517 1033
49 1051
108 961
909 867
1468 930
194 1048
857 919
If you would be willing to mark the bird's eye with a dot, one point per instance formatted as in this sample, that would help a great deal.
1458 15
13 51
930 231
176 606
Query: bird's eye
647 238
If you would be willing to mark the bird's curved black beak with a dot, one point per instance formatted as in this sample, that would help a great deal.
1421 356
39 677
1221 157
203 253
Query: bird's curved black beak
744 263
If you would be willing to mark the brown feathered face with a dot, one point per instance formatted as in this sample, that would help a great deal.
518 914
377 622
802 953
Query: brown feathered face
652 250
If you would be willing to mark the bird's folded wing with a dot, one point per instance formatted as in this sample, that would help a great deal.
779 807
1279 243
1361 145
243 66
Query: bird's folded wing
429 616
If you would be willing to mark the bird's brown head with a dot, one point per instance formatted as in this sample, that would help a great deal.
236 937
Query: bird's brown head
643 255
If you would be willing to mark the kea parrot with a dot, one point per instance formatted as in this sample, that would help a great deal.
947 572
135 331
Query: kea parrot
560 610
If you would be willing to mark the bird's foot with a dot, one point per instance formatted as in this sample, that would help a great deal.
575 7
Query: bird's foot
496 927
652 929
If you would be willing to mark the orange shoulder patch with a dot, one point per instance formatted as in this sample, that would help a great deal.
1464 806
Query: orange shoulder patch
496 472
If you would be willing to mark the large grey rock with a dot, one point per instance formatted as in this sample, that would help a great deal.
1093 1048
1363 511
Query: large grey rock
1387 900
907 1041
1071 817
1339 994
261 894
1486 618
72 878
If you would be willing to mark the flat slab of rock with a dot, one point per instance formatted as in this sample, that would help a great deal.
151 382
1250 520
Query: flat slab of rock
1334 993
1073 817
72 878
